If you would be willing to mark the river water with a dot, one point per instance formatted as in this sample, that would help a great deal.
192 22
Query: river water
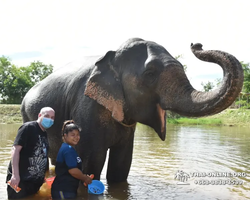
195 162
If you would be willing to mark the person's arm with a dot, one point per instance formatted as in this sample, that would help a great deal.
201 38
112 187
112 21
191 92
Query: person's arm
15 178
77 173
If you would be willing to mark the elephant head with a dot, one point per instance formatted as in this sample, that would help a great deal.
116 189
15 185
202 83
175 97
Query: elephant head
141 80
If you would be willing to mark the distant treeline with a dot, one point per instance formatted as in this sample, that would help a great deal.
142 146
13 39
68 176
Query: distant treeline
15 81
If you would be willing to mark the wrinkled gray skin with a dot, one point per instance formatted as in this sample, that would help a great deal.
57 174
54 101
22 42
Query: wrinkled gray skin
136 83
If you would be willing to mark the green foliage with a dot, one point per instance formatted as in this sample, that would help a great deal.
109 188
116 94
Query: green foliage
246 84
243 101
207 86
198 121
15 82
172 117
38 71
172 121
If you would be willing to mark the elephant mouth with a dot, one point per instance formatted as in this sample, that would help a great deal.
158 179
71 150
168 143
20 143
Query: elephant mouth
162 118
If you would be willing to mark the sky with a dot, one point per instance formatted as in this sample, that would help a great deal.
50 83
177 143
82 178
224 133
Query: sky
58 31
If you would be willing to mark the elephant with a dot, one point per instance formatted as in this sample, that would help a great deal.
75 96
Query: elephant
107 95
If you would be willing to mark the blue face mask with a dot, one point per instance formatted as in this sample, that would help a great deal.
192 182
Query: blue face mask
47 122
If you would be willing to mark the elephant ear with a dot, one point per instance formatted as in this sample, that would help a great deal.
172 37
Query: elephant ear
105 87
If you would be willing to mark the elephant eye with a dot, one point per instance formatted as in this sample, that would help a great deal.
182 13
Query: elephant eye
150 76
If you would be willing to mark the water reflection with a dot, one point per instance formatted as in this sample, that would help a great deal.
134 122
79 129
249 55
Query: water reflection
155 163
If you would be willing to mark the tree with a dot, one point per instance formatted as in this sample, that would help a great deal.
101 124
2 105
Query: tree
4 65
207 86
38 71
243 100
246 84
15 82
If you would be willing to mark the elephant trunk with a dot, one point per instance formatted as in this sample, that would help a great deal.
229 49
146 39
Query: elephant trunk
190 102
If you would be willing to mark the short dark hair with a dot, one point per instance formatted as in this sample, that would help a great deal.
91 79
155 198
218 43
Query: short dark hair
69 126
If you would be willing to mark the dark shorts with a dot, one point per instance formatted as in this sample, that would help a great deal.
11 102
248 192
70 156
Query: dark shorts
27 188
63 195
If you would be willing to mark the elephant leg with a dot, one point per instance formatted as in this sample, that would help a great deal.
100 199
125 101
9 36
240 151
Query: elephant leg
120 158
94 163
55 142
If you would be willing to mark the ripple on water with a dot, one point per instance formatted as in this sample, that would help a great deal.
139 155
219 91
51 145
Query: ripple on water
155 164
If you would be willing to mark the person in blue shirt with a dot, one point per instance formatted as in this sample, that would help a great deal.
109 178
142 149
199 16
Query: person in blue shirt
68 165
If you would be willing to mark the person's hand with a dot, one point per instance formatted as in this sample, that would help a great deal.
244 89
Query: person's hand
87 180
91 176
14 181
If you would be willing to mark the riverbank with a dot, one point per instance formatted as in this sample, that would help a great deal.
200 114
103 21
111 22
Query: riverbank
228 117
10 114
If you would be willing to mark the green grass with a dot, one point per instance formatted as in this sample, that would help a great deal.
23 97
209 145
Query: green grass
10 114
228 117
195 121
233 117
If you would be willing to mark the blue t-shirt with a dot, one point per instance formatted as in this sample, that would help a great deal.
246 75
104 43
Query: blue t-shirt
67 158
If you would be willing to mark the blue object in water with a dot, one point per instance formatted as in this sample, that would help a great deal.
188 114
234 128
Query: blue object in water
96 187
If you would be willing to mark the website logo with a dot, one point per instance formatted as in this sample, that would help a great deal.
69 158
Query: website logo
182 177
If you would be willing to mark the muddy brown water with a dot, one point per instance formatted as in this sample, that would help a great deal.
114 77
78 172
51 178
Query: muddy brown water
195 162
